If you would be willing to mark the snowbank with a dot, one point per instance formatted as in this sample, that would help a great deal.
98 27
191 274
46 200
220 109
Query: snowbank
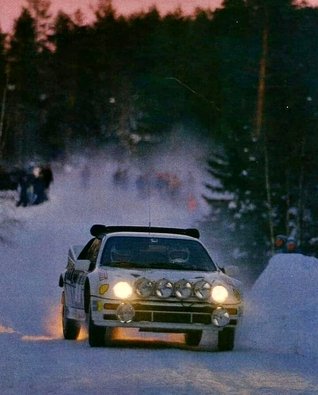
281 312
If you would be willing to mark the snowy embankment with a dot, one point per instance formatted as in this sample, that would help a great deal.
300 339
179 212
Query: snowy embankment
281 310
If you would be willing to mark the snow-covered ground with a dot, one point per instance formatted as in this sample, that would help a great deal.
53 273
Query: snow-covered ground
276 347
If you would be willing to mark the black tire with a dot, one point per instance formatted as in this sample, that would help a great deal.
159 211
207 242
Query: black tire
96 334
71 328
226 339
193 338
108 336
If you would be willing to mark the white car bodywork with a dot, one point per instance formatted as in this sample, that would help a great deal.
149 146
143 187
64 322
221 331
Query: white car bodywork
151 299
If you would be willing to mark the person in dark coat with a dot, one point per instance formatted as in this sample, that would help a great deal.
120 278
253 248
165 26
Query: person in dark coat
292 246
47 178
280 244
24 183
38 182
47 175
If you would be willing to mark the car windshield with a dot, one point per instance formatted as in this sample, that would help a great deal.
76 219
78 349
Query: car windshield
156 253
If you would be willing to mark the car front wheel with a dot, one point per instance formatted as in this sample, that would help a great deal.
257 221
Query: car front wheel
96 334
226 339
108 336
71 328
193 338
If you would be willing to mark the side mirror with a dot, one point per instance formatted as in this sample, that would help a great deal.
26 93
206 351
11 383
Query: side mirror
232 270
82 265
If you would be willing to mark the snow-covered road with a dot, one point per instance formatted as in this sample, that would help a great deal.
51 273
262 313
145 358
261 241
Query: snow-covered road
34 359
36 365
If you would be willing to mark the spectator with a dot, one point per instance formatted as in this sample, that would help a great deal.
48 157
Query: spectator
292 245
280 244
39 194
47 176
192 203
24 183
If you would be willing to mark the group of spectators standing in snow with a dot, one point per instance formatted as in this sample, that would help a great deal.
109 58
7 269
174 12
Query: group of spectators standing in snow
33 185
164 184
284 244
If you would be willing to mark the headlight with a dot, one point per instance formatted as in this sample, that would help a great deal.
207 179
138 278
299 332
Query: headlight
202 289
122 290
183 289
144 287
219 293
164 288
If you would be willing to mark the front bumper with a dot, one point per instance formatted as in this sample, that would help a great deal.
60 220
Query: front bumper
162 315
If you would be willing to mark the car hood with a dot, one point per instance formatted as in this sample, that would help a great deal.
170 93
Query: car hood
157 274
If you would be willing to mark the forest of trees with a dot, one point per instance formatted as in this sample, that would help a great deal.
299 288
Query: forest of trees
245 75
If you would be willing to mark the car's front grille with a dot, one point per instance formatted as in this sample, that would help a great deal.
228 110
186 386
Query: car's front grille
169 313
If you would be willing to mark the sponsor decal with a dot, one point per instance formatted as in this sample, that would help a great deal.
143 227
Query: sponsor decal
102 276
103 289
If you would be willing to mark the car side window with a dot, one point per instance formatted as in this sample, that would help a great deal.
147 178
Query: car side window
84 252
92 253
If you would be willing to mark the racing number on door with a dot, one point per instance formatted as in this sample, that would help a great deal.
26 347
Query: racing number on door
79 290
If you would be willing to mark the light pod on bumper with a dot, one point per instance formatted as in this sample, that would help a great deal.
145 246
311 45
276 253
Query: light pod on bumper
144 287
202 289
164 288
125 312
183 289
220 317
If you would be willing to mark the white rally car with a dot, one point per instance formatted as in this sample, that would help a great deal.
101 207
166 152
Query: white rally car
154 279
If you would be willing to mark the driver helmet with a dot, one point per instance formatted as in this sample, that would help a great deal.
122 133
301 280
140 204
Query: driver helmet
179 255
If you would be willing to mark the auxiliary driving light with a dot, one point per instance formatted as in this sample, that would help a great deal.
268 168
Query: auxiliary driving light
220 317
144 287
122 290
219 293
164 288
125 312
183 289
202 289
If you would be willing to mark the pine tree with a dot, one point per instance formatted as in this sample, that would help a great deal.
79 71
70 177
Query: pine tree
253 147
40 12
23 105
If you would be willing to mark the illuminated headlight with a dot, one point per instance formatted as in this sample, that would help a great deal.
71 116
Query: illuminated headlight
164 288
125 312
122 290
202 289
183 289
220 317
219 293
144 287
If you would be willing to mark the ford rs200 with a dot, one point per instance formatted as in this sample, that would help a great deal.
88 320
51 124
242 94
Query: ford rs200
154 279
